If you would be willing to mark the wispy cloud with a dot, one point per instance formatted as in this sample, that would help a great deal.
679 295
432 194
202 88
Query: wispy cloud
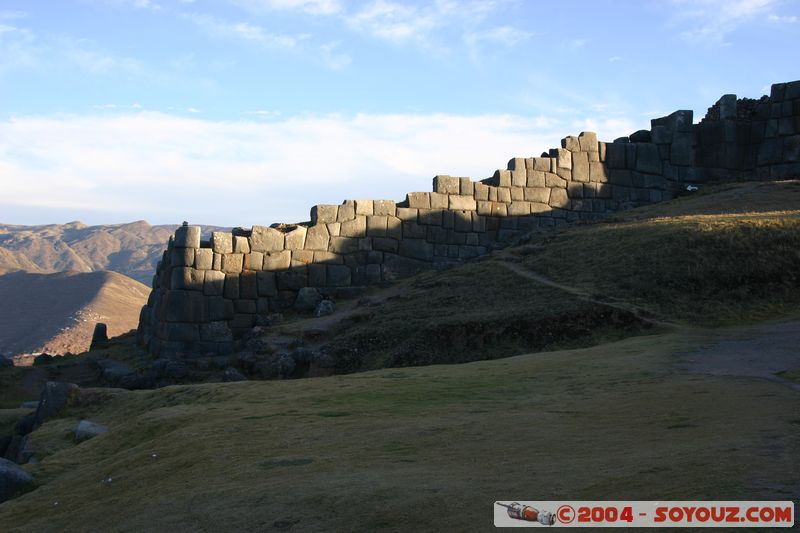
245 31
332 58
711 21
313 7
117 161
787 19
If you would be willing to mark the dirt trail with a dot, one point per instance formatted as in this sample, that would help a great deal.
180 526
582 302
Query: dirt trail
760 351
514 264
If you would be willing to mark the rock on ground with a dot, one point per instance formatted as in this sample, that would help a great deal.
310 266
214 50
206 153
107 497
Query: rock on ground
12 479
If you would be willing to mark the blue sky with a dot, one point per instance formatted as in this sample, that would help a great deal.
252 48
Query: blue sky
240 112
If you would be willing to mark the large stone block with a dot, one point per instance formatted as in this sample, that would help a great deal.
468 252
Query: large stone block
439 200
264 239
615 155
419 200
328 258
277 260
317 275
217 262
791 148
630 155
324 214
364 207
266 285
408 214
541 164
580 167
296 238
647 158
597 172
552 181
187 237
502 178
562 157
536 178
485 208
317 238
241 245
347 211
247 285
344 245
462 203
436 234
180 332
519 178
446 184
478 222
559 198
517 193
384 244
376 226
517 209
537 194
588 141
504 195
219 308
302 257
338 276
231 290
292 280
216 331
412 230
575 190
462 221
481 192
232 263
222 242
185 306
354 228
499 209
394 228
538 208
466 187
254 261
416 249
187 279
570 143
213 283
203 258
384 207
181 256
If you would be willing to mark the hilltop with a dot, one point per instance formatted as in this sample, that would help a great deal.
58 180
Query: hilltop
132 249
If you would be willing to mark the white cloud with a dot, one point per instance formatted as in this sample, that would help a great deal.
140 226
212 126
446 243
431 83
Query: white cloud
502 35
313 7
782 19
396 22
245 31
146 4
333 59
167 168
710 21
578 43
614 59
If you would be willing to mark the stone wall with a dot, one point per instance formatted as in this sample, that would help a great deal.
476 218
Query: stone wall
207 294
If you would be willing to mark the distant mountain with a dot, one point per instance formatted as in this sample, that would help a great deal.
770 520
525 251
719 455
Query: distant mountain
56 313
132 249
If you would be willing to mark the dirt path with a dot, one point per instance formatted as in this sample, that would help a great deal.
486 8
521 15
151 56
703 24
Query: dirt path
760 351
514 264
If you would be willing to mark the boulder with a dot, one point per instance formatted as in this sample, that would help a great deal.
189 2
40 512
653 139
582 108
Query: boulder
100 336
232 374
12 479
114 372
55 397
308 298
325 308
86 430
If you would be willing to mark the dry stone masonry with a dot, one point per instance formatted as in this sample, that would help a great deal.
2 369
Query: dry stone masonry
206 294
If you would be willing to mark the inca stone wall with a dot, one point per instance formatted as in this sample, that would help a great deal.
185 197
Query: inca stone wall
207 294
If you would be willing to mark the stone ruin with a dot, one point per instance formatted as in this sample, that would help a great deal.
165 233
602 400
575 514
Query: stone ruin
206 294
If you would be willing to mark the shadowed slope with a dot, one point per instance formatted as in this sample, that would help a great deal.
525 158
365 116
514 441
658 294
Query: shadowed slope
56 313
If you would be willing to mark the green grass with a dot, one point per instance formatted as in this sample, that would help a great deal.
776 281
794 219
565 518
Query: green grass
477 311
698 268
389 449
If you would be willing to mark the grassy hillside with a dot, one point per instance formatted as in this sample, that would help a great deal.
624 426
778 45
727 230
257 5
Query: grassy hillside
729 255
390 449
